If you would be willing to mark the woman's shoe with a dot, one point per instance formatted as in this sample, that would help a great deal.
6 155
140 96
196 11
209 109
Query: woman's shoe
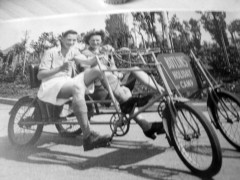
156 128
132 102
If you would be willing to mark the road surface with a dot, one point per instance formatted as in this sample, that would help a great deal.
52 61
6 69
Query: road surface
132 156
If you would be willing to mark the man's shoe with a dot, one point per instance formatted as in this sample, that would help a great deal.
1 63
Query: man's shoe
132 102
156 128
94 140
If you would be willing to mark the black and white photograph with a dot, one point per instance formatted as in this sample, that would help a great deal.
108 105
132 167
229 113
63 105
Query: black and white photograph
120 89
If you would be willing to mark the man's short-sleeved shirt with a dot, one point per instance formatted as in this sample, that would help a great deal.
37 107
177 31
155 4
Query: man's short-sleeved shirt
53 58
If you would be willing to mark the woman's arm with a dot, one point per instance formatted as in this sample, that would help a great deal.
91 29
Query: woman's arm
114 67
83 60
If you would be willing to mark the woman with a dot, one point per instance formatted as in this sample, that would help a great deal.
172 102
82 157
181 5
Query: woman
55 72
123 94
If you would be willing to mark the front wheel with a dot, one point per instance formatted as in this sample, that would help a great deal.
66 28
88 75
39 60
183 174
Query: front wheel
195 140
23 127
227 116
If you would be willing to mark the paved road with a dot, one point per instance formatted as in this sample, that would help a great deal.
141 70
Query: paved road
130 157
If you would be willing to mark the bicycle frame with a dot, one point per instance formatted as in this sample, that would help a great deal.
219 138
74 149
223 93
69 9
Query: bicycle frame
212 90
167 97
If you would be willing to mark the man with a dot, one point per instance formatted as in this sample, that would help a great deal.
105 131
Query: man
58 86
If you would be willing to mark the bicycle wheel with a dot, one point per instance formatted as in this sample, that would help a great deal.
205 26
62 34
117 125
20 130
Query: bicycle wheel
227 116
70 128
22 127
195 141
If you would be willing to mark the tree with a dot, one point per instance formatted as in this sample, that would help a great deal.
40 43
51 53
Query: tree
118 30
180 34
196 33
234 28
214 23
45 41
148 22
137 30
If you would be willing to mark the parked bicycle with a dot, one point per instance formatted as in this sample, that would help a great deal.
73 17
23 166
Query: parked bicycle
223 106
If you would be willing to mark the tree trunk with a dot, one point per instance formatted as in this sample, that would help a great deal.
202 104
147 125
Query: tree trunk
235 43
166 30
222 42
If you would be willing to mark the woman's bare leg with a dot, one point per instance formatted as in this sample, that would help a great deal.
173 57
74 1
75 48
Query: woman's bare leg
145 79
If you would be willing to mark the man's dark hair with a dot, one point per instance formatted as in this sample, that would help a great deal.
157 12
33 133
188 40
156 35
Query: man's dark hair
88 36
64 34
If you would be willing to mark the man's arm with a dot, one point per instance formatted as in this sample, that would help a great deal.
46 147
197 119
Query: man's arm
45 67
44 73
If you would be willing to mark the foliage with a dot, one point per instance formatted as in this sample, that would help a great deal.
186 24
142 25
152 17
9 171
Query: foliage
6 75
214 57
45 41
186 34
196 33
13 90
215 24
118 30
147 22
180 36
16 56
234 26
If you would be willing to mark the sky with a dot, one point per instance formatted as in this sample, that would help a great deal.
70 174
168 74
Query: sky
12 31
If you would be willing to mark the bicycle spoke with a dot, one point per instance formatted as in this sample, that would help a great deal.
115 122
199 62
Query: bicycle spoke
228 114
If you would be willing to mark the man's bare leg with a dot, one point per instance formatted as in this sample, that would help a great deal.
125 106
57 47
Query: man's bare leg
72 89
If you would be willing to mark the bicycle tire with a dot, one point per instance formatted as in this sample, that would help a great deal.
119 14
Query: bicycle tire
227 117
32 112
184 143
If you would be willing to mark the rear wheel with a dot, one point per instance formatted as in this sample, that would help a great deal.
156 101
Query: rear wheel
23 129
227 114
69 128
195 141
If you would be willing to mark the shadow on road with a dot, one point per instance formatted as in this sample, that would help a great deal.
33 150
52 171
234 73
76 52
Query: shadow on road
230 153
122 156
